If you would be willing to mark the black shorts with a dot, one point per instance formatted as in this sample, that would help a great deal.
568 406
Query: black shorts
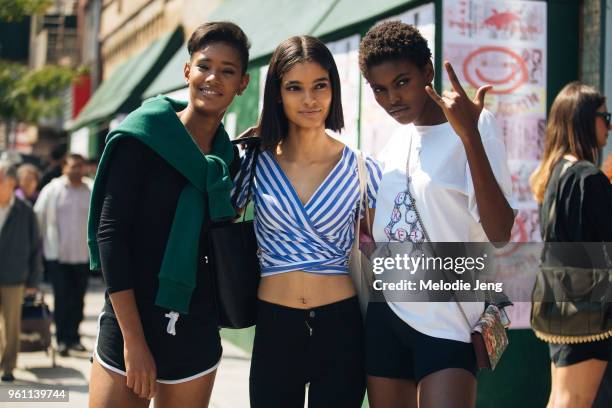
193 352
567 354
396 350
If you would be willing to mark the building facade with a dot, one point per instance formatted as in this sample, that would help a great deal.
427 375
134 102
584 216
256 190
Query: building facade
128 27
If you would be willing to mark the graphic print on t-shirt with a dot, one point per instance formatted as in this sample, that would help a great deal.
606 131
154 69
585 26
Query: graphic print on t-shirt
403 223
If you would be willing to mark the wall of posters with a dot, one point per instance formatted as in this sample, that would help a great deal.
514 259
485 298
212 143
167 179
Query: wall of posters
503 43
377 126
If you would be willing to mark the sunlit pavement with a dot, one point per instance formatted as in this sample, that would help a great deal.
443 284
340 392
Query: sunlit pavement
35 369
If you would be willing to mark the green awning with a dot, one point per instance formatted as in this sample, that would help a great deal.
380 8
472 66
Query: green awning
122 91
346 13
171 76
266 23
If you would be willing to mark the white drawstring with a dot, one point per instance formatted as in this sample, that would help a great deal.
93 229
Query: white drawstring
173 316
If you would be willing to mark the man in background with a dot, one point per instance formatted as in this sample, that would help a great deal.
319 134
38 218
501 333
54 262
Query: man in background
62 209
20 264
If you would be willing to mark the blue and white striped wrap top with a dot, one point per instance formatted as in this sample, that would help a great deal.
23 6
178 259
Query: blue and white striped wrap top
315 237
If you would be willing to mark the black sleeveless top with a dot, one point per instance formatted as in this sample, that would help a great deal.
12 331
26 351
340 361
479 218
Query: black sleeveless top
583 215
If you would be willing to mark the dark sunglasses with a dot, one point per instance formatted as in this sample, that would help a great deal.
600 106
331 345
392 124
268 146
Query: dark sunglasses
605 116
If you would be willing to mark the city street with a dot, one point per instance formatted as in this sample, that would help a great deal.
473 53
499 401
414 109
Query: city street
35 369
278 157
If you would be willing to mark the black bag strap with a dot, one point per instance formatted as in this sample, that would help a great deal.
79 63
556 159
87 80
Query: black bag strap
552 212
254 143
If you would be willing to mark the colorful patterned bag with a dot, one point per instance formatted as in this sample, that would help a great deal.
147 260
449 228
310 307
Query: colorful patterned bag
489 338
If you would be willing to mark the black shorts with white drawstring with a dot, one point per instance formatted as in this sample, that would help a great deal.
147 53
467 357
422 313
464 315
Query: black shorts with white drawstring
193 352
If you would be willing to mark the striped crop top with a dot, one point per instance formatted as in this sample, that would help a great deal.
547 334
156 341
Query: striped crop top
315 237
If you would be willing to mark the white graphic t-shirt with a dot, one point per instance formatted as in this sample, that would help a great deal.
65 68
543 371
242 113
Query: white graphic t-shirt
441 184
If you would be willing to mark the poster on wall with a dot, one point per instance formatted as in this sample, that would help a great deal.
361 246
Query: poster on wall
503 43
377 126
346 55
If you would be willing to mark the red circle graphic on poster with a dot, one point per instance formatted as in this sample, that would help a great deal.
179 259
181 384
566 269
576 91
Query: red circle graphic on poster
497 66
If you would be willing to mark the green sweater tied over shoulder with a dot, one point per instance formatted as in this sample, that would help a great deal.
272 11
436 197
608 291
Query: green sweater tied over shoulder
207 193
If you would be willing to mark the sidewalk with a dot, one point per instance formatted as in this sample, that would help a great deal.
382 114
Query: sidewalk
35 369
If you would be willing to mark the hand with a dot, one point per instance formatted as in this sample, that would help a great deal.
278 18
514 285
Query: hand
30 291
141 370
461 112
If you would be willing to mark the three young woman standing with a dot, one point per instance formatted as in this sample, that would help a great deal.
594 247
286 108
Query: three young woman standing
158 334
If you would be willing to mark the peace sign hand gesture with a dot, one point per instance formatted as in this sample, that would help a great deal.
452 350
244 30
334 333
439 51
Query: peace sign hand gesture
461 112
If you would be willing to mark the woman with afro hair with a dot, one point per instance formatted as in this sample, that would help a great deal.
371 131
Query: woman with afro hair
450 159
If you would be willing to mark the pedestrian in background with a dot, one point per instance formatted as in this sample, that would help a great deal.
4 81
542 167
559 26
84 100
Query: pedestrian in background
54 167
91 167
28 178
62 209
569 181
20 264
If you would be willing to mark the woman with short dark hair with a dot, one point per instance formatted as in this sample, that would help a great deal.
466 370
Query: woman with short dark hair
306 194
164 176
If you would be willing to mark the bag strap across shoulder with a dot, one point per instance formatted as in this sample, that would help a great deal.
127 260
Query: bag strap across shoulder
553 206
420 221
251 143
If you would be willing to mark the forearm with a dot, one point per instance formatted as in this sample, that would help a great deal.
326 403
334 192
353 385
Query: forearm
126 311
496 215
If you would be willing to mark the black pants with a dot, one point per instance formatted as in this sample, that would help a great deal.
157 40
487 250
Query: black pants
69 285
323 346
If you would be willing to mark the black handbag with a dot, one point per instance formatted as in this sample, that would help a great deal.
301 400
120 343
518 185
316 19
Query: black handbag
36 321
234 263
571 304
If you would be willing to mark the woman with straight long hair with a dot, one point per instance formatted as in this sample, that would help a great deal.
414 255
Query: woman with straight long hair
569 180
306 198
